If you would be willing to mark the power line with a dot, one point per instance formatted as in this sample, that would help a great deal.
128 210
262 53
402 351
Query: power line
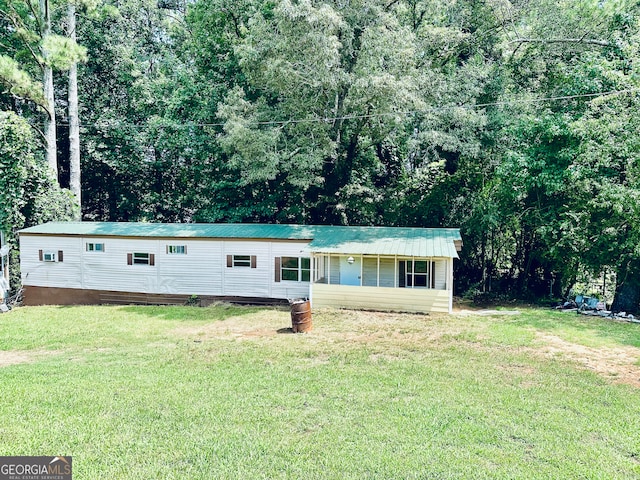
119 124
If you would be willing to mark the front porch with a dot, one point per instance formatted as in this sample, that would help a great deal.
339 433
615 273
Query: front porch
382 282
381 298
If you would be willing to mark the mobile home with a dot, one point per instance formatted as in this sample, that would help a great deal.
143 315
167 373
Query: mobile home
380 268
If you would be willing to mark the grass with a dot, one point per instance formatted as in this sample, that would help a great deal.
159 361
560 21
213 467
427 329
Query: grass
180 392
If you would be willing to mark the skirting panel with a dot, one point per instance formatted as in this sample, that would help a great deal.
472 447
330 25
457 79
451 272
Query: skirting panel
73 296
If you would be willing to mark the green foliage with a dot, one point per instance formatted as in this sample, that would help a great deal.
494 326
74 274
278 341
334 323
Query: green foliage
410 112
28 194
61 52
16 152
19 82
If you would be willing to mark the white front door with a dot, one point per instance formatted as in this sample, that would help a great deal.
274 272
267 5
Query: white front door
350 270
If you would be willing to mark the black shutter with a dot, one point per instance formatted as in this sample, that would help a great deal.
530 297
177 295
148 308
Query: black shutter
40 255
433 274
277 269
152 259
60 256
254 261
402 277
229 261
129 258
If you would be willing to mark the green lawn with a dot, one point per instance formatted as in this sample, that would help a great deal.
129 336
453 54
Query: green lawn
219 392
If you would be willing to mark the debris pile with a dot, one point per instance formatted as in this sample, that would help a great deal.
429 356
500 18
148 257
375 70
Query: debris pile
594 307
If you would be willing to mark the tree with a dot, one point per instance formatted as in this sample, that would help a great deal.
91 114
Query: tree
356 78
604 222
44 24
28 193
74 121
34 48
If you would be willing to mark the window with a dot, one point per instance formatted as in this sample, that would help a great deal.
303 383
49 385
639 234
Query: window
295 269
49 256
241 261
140 258
417 274
95 247
176 249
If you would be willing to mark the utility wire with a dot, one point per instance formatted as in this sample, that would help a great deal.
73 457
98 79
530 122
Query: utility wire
440 109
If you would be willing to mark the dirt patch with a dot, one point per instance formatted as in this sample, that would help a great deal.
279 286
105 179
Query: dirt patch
235 328
378 329
486 313
16 357
392 335
618 364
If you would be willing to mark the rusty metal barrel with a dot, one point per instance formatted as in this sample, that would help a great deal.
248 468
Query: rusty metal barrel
301 316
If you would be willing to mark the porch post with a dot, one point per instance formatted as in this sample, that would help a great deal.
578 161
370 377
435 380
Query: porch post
395 271
450 283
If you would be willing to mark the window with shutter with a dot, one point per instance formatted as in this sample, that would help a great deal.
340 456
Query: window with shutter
141 258
295 269
248 261
49 256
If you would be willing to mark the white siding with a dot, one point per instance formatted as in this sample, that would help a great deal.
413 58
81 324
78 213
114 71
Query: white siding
288 289
108 270
65 274
201 271
198 272
247 281
441 274
387 272
370 271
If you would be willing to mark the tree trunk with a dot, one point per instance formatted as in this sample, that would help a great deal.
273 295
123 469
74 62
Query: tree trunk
47 80
627 296
74 122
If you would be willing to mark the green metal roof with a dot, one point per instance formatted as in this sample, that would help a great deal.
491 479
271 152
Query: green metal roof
175 230
401 241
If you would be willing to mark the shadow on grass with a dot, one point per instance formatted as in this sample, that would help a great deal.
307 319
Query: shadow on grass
217 312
